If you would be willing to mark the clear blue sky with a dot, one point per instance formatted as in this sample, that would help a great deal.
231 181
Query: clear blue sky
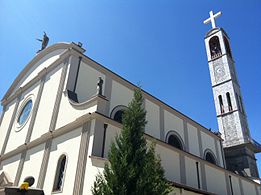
159 44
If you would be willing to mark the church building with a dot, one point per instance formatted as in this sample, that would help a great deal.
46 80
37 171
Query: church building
63 111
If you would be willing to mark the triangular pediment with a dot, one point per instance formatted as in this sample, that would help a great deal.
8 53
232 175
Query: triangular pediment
4 180
40 62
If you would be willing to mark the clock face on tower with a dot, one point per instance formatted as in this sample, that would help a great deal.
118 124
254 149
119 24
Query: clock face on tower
219 71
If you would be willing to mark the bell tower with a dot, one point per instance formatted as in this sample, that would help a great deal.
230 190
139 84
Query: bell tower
238 145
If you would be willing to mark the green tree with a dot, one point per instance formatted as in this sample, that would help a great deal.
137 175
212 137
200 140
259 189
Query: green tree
133 167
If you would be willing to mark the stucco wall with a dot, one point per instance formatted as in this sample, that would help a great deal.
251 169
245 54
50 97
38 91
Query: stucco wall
152 117
45 110
5 121
67 144
10 165
86 86
193 140
19 132
32 163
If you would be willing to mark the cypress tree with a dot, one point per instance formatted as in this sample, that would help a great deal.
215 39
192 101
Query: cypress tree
133 167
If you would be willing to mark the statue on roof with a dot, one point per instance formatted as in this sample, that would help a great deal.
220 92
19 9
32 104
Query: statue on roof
44 41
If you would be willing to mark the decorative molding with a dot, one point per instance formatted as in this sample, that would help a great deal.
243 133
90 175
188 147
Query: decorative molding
2 115
37 78
68 47
228 186
52 126
200 144
58 97
44 164
82 160
241 187
217 153
161 123
203 176
11 123
186 139
20 169
35 110
182 165
107 93
90 116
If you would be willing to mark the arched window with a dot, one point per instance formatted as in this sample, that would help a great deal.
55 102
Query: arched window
209 156
228 50
174 140
59 175
117 113
221 104
214 46
229 101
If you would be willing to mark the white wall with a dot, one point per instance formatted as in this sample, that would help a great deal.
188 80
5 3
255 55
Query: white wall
87 82
10 165
216 181
32 164
170 163
208 143
5 122
120 95
172 122
152 117
46 105
191 172
18 132
69 145
38 66
193 140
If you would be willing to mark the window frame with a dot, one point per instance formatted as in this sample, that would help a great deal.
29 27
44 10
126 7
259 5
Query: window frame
174 133
58 166
116 109
208 151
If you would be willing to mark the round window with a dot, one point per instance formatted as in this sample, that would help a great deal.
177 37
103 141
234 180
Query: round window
25 112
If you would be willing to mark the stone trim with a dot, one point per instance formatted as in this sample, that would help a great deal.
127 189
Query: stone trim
82 159
52 126
186 139
37 78
182 165
44 164
200 144
73 72
222 153
2 115
20 169
161 123
228 184
11 123
66 46
107 93
90 116
35 110
217 153
58 97
146 95
256 190
203 176
241 187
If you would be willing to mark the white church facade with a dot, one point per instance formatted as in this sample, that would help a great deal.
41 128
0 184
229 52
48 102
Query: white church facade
63 110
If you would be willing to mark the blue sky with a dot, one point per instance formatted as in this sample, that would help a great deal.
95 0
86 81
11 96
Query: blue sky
159 44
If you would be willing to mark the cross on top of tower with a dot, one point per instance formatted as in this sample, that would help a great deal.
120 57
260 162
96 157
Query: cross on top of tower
212 18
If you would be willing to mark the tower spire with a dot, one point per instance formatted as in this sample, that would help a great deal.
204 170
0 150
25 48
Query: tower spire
212 18
239 147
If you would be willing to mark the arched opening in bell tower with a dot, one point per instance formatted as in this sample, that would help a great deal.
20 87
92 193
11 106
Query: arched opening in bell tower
228 50
214 47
